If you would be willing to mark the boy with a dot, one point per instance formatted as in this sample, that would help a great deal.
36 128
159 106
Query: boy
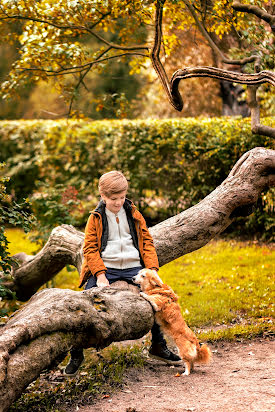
117 245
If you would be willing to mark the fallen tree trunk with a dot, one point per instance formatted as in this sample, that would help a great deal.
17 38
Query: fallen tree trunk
175 237
55 320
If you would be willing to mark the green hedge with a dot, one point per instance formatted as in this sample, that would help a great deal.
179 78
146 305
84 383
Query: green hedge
172 164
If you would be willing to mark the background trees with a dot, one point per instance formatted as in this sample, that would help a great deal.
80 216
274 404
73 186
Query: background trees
72 42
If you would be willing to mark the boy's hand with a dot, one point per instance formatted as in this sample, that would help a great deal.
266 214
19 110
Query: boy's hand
102 280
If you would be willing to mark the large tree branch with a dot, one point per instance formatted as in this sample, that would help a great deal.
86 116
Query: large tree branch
56 320
175 237
264 76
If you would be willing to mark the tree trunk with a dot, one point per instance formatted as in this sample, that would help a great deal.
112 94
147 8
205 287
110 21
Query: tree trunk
232 103
55 320
175 237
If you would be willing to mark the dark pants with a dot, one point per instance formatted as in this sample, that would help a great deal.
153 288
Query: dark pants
127 275
115 274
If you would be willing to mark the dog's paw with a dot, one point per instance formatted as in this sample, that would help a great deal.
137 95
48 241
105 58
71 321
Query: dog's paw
144 295
153 304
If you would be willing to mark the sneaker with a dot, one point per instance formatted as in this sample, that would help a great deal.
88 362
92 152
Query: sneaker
160 351
74 364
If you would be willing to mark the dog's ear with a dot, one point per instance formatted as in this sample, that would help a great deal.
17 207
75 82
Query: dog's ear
156 280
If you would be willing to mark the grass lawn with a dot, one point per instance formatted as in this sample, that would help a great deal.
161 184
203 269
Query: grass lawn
225 282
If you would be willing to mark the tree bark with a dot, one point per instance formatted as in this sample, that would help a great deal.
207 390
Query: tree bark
56 320
64 247
181 234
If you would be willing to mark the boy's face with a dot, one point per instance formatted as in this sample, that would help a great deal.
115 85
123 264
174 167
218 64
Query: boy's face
115 202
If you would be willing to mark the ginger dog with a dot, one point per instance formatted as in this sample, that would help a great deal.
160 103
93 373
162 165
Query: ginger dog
168 316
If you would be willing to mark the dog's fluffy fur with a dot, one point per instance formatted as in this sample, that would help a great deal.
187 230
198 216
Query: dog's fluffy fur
168 316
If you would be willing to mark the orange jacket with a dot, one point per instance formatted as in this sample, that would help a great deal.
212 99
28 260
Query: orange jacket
93 263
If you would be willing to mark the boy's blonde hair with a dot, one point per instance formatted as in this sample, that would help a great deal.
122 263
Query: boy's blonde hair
112 183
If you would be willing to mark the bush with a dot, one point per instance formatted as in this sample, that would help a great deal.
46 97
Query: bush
172 164
53 206
11 213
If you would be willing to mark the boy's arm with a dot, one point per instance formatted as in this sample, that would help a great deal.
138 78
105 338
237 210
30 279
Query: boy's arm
91 249
102 280
150 257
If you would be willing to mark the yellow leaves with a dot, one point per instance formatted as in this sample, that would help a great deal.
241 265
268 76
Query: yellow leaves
136 64
170 42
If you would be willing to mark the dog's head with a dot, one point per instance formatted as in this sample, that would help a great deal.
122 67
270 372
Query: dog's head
147 279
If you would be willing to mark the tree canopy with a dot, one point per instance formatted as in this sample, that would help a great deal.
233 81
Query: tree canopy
52 38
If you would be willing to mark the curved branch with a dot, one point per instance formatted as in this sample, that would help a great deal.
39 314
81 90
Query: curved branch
264 76
175 99
257 11
251 80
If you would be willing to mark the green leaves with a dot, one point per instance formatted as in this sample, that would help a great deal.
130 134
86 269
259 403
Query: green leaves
14 214
171 164
53 206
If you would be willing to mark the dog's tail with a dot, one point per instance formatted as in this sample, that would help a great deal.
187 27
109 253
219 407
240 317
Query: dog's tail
204 354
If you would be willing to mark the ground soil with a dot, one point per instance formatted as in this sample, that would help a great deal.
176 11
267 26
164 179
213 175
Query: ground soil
239 378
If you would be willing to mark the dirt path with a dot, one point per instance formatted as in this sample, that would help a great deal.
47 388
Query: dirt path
240 378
